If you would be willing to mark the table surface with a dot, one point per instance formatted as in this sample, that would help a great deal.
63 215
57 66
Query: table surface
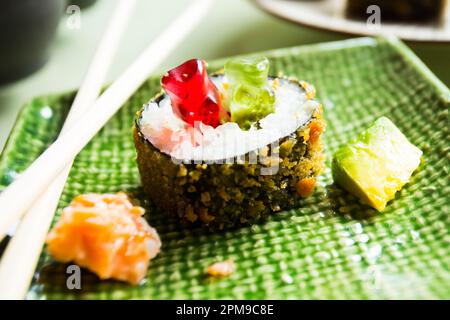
232 27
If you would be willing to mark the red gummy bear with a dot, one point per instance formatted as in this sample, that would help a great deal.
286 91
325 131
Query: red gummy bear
193 95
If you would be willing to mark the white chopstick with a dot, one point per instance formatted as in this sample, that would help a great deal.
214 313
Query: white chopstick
21 256
18 197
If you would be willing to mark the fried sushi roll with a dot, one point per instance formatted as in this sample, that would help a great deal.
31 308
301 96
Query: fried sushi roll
230 151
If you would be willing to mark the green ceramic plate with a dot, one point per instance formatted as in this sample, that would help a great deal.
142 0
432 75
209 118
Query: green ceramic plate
331 248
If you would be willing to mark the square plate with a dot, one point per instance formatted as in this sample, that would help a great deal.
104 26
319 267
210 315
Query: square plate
330 248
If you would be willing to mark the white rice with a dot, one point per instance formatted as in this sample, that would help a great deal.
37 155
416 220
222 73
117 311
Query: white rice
174 137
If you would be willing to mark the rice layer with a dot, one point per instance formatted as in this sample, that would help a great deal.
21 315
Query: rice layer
169 134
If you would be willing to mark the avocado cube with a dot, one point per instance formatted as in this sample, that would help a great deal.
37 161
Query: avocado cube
376 164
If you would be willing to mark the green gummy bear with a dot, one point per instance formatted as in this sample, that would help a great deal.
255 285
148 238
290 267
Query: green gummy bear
251 97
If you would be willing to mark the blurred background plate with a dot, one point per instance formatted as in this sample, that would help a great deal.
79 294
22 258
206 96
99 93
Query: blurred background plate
330 15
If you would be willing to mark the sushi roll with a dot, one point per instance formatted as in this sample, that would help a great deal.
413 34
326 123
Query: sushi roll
229 149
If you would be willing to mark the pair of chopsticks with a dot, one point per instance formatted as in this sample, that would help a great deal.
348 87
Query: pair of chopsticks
35 194
20 258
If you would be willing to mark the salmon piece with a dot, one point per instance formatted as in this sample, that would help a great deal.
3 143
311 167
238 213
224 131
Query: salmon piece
305 187
106 234
221 269
316 128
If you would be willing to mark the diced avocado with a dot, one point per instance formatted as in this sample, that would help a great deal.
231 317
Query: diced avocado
376 164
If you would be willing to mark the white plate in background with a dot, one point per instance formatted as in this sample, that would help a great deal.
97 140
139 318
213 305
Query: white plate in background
330 15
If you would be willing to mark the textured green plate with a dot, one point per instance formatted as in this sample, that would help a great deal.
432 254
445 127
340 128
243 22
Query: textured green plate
332 247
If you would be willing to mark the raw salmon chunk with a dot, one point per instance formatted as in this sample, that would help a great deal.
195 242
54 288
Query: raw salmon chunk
106 234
